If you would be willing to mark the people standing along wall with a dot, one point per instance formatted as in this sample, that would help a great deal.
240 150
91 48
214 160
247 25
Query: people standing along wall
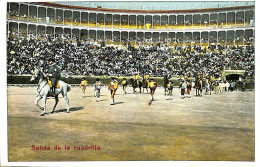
189 88
183 87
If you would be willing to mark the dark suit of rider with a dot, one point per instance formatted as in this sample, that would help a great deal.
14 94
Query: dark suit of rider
54 74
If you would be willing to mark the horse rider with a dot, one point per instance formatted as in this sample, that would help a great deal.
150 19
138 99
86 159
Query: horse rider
53 74
147 77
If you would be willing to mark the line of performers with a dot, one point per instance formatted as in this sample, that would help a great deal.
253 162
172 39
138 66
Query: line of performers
147 82
113 86
207 83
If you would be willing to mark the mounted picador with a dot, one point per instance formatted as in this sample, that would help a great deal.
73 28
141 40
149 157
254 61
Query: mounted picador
44 88
54 75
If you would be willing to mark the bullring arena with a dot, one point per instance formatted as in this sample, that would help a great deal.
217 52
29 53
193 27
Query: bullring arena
211 127
206 43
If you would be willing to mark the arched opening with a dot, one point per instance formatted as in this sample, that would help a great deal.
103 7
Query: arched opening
233 77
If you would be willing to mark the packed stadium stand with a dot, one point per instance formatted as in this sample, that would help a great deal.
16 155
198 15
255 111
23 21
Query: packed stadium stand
87 39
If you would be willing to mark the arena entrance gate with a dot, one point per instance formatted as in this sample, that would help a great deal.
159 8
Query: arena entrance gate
232 74
233 77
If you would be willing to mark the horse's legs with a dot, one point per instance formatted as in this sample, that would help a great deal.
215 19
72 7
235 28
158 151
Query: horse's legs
67 101
56 102
44 105
64 94
36 102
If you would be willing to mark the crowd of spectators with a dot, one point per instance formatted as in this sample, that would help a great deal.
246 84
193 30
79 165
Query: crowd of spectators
92 60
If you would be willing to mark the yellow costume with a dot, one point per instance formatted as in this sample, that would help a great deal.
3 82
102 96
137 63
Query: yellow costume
113 85
124 84
147 77
83 86
153 86
137 76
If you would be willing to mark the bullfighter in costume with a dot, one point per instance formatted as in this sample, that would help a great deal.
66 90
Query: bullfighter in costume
169 88
183 87
83 86
113 85
124 84
153 86
97 89
189 88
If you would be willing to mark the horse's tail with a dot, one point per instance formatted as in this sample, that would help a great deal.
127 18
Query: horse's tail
68 87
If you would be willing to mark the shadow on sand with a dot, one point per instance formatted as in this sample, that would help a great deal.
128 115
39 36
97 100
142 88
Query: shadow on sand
65 110
118 103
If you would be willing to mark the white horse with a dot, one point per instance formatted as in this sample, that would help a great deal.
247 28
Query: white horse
44 90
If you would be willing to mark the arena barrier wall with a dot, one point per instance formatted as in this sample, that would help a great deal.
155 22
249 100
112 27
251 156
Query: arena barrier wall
22 79
75 81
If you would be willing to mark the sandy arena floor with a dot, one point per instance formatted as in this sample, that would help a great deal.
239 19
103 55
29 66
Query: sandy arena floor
211 127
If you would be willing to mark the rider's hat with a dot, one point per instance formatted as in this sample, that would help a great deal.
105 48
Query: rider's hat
97 79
